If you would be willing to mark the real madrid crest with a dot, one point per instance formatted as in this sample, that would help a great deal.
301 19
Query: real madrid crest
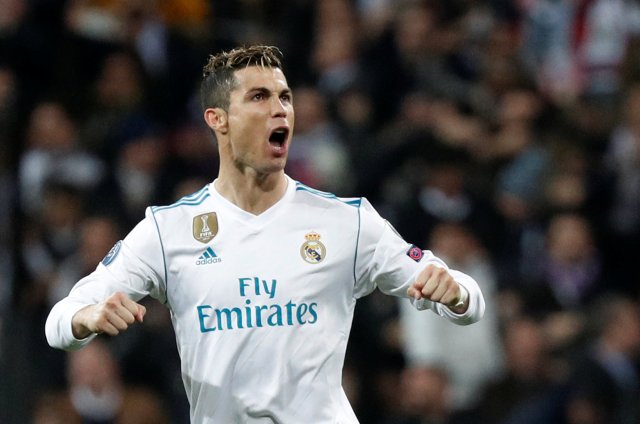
312 250
205 227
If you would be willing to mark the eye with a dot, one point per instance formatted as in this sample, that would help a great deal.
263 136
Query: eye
285 98
258 97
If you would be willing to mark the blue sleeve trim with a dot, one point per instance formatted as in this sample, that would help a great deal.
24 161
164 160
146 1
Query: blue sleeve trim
349 201
194 202
355 256
190 200
193 196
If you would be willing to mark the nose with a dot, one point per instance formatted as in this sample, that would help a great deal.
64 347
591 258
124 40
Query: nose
278 108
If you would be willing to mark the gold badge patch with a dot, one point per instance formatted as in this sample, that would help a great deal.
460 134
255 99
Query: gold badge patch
312 250
205 227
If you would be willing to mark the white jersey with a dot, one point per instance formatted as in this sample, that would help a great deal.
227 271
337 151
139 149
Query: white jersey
261 305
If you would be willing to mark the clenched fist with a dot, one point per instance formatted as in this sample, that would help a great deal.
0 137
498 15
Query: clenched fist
113 315
436 284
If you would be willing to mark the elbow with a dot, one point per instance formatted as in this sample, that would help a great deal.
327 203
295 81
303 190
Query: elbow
49 332
53 331
58 331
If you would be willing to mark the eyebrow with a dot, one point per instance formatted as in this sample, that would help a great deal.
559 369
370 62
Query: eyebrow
265 90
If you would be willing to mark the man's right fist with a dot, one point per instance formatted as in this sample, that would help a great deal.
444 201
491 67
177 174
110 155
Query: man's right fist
111 316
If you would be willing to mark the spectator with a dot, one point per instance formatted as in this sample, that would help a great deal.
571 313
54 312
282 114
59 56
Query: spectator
97 235
49 239
193 153
335 51
445 196
167 58
118 93
8 94
465 378
97 394
528 373
622 160
320 157
426 398
138 177
605 386
569 271
547 48
53 155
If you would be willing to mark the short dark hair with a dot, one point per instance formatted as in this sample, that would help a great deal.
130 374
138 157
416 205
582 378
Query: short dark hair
218 74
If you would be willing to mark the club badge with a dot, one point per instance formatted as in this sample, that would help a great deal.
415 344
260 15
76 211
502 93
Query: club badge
205 227
312 250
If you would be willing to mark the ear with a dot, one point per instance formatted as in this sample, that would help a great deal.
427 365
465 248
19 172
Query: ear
217 119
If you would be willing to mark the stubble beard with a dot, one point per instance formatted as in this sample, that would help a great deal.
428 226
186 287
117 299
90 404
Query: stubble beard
260 171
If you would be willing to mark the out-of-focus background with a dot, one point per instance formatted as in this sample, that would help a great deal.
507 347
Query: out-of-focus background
503 135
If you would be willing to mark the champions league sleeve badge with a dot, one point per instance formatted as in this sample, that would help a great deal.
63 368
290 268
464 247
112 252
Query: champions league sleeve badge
415 253
205 227
112 253
312 250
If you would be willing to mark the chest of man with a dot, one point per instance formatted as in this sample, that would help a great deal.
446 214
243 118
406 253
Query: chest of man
224 274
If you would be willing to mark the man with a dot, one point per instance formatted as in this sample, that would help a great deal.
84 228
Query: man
261 273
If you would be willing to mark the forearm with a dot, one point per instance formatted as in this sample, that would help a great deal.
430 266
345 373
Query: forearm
78 326
59 326
70 323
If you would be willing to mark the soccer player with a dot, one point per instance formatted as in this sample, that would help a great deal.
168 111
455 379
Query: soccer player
260 272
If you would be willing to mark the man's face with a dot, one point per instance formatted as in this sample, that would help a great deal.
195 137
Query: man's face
260 120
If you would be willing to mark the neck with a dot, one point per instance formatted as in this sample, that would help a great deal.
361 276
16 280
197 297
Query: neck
252 193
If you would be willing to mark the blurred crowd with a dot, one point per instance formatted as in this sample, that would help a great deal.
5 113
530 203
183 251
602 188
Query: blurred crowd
502 135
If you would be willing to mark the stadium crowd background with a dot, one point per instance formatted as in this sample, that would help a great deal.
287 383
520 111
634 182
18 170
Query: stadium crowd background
503 135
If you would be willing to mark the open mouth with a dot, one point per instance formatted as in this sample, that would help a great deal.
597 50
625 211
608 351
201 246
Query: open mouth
279 136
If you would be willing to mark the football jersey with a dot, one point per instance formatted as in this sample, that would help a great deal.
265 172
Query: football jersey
261 305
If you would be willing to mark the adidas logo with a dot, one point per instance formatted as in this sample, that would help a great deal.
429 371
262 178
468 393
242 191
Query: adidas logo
208 257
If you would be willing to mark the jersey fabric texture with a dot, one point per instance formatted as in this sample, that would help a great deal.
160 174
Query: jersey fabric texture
261 305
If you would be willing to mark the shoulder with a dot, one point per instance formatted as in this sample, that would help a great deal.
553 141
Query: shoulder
329 200
186 202
340 206
173 216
